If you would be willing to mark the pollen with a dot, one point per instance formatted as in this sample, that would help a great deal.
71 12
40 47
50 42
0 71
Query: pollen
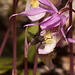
34 3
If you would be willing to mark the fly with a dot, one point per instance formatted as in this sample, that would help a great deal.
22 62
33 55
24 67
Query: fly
37 38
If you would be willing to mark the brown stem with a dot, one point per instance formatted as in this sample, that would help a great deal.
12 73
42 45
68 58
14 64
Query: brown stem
70 34
5 38
14 38
65 9
7 33
35 64
14 45
26 53
26 67
36 57
17 3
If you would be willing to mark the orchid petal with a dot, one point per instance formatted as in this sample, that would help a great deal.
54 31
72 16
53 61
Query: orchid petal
55 17
35 11
49 9
28 5
31 12
51 22
29 25
36 17
71 40
62 31
51 26
48 3
43 32
47 18
68 29
48 48
63 20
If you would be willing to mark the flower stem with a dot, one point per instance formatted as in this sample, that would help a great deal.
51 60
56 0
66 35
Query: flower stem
26 67
5 38
17 3
36 57
7 34
14 38
26 53
70 34
35 64
14 46
66 9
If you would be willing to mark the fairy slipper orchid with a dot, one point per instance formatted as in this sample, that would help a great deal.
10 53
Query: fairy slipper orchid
57 18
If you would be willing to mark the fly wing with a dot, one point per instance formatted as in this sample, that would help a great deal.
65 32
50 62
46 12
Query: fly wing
31 34
35 40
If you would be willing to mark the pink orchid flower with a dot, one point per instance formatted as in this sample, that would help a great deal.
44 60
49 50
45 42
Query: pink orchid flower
57 18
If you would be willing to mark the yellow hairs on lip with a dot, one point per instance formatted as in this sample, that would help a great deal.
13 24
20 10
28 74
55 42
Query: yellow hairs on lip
48 38
34 3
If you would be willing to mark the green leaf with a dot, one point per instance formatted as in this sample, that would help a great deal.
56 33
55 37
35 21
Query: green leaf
3 71
7 64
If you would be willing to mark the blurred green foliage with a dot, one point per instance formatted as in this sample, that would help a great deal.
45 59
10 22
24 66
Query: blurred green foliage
6 62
